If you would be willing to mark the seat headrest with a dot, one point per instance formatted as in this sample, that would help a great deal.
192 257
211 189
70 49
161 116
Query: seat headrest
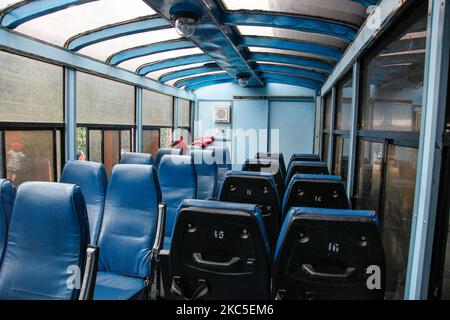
235 173
136 158
304 157
230 208
90 176
202 156
163 152
48 231
176 168
315 177
324 214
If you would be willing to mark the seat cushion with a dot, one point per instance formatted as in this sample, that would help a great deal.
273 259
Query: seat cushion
206 169
110 286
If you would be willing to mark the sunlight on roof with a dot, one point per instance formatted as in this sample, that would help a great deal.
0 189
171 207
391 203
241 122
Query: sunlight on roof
104 49
157 74
58 27
6 3
134 64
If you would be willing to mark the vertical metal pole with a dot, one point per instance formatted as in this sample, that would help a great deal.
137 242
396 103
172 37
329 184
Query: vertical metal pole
331 135
430 150
70 76
353 129
139 119
318 127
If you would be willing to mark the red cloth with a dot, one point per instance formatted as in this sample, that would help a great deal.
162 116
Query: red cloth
204 142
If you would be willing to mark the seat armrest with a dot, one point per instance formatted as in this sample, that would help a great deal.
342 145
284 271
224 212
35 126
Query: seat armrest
159 237
90 273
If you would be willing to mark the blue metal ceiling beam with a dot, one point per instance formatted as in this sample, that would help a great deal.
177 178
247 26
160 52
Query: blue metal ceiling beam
295 22
298 61
188 72
296 72
142 24
173 62
208 83
301 46
148 49
199 79
296 81
211 36
30 10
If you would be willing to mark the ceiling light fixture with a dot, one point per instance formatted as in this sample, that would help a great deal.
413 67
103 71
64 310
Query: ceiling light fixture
185 20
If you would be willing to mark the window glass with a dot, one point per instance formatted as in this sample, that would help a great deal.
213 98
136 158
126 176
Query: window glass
150 141
29 156
111 151
103 101
95 145
81 139
341 153
292 35
134 64
344 105
165 137
184 113
30 90
59 26
348 11
326 142
327 111
125 141
157 109
369 168
393 82
58 155
397 216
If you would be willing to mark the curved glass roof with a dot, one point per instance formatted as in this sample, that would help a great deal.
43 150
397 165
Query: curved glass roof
295 42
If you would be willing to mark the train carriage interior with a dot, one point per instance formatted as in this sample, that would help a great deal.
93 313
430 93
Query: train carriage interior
224 150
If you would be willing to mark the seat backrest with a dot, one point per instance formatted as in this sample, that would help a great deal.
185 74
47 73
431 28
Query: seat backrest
93 181
47 240
178 181
255 188
270 166
206 169
224 244
328 254
274 156
7 196
306 167
136 158
130 218
163 152
223 161
304 157
318 191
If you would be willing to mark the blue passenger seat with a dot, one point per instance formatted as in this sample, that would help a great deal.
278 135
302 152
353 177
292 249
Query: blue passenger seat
127 233
274 156
255 188
304 157
46 245
136 158
306 167
223 161
219 250
178 181
93 181
7 195
329 254
269 166
206 169
163 152
314 190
